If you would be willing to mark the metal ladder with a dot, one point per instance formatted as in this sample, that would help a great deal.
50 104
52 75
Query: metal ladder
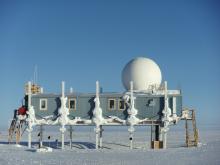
192 136
16 130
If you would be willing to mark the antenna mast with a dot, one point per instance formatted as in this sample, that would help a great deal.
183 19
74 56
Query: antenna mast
35 74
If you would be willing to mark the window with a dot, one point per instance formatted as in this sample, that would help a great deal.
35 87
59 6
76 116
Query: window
151 102
43 104
121 104
72 104
111 104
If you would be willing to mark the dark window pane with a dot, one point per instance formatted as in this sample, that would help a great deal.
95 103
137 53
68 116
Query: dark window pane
112 104
121 104
72 104
43 104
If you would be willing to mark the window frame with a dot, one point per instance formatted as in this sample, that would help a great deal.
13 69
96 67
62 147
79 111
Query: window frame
69 100
109 100
119 100
43 109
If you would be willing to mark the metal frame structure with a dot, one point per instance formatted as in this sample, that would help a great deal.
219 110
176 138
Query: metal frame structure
159 128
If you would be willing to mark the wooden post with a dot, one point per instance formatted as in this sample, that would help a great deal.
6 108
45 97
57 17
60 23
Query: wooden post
18 133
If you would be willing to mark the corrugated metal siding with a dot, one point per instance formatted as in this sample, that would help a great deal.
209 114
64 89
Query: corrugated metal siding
53 103
145 110
85 105
179 105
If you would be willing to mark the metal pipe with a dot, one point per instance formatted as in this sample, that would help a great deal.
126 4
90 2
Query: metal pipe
63 88
174 106
62 137
29 94
96 137
71 136
132 97
166 105
165 140
41 135
29 139
97 89
131 131
131 140
100 137
62 106
29 106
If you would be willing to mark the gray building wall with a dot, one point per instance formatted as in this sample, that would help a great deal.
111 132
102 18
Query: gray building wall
148 106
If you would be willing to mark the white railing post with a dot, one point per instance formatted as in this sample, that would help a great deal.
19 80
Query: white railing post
63 112
132 119
166 116
98 118
63 126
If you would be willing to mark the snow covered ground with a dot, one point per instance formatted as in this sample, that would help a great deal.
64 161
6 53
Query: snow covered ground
116 149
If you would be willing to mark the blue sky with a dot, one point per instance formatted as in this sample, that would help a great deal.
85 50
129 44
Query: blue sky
84 41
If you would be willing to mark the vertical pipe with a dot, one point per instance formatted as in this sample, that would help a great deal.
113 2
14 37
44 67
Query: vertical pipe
20 132
71 90
174 106
187 133
29 106
100 137
131 140
165 141
98 126
63 88
71 136
29 139
29 94
160 134
96 138
41 90
63 124
151 132
166 111
131 131
41 135
132 107
132 97
62 137
19 135
165 89
97 89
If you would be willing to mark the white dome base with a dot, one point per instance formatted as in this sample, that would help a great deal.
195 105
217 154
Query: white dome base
144 73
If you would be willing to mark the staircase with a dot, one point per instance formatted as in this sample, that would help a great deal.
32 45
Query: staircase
16 130
192 137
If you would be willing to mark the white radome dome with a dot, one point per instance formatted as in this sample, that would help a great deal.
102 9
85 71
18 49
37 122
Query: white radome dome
144 73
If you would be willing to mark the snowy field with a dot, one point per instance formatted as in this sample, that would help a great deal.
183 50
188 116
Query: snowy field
115 148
